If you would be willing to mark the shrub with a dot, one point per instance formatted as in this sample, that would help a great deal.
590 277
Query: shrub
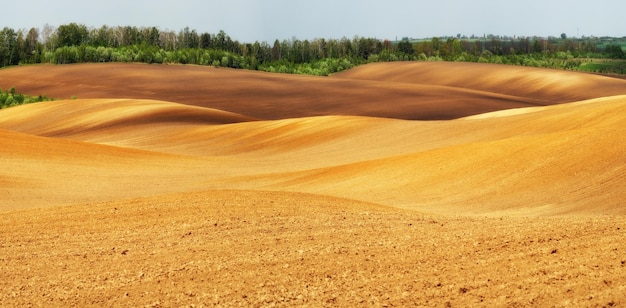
11 98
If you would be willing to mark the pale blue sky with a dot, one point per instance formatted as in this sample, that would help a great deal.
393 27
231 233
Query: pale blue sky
266 20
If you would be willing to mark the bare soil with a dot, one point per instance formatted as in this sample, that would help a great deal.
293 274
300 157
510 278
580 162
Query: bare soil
277 96
258 248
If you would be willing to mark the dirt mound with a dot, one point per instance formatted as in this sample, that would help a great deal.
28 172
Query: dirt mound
555 86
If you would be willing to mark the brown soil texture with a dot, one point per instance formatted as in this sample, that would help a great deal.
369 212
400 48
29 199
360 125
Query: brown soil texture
457 91
169 185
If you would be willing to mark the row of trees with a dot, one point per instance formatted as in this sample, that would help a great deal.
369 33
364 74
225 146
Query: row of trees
75 43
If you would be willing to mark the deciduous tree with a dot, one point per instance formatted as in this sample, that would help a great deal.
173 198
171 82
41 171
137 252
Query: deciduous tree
72 35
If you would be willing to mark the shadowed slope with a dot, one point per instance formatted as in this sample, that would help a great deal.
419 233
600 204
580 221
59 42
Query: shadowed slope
555 86
260 95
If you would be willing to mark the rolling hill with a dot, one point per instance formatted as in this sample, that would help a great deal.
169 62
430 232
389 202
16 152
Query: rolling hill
269 96
389 184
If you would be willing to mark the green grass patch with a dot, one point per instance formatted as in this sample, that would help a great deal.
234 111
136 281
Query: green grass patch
606 66
10 98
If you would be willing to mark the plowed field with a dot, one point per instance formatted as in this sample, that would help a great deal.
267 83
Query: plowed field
430 184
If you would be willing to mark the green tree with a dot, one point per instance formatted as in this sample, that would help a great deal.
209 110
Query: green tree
152 37
345 48
189 38
99 37
436 44
295 56
205 41
537 46
614 52
220 40
405 47
306 51
276 51
131 36
9 54
72 35
32 47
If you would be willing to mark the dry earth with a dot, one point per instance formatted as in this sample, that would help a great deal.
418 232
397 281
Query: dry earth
184 185
277 96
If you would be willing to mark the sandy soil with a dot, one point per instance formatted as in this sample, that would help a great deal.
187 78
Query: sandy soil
183 185
257 248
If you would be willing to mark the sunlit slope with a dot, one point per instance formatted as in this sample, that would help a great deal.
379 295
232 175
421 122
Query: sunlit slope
555 86
110 121
562 159
41 171
283 145
262 95
188 130
545 160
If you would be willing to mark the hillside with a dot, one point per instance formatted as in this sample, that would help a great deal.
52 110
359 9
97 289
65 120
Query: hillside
554 86
277 96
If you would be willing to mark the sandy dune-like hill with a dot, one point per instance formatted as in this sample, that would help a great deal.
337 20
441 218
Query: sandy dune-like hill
497 161
171 185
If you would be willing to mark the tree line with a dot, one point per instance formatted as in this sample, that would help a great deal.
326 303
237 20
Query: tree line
77 43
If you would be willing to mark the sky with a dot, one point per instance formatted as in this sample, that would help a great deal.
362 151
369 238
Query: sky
267 20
